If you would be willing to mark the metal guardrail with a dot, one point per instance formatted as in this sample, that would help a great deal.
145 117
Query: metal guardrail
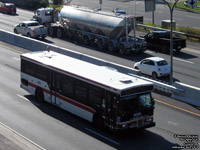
166 88
175 32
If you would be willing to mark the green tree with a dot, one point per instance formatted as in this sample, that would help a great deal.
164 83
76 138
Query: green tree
58 2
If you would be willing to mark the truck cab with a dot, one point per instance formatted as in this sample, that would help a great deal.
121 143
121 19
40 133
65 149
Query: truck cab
43 15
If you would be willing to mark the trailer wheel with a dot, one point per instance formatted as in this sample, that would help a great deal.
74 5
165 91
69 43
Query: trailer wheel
122 49
70 34
86 40
100 44
59 33
51 31
111 47
39 95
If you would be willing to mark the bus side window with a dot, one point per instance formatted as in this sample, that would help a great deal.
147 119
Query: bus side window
67 86
81 91
28 68
42 73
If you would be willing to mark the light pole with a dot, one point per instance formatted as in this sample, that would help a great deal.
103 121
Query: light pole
100 3
171 39
135 8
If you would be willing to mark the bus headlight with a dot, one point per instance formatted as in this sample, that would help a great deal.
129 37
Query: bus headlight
149 120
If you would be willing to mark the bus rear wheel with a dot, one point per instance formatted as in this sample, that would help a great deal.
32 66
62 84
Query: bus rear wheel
39 95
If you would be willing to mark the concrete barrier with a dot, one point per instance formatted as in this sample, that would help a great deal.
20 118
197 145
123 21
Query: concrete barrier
189 95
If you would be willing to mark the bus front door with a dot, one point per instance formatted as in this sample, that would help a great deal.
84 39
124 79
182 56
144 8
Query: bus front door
111 107
55 86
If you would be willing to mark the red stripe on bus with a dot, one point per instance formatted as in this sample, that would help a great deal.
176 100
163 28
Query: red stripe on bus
66 99
72 74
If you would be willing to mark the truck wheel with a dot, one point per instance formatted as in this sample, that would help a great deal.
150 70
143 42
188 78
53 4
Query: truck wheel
39 95
15 31
59 33
178 50
122 49
86 40
111 47
29 35
70 34
51 31
100 44
164 49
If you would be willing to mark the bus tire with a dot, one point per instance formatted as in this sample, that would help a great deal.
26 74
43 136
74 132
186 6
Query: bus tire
39 95
98 121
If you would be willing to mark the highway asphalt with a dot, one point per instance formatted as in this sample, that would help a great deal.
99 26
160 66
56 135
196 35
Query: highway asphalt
11 140
53 128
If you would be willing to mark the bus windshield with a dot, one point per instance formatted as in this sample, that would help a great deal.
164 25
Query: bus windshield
145 100
135 105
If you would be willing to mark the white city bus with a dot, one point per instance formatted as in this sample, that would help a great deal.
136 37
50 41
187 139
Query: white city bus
98 94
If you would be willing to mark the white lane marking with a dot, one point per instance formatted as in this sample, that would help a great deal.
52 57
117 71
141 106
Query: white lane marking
102 136
177 19
149 52
147 19
25 138
191 50
158 11
192 16
27 99
183 60
16 58
172 123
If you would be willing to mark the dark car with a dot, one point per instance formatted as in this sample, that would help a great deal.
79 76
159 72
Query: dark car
119 11
161 40
8 8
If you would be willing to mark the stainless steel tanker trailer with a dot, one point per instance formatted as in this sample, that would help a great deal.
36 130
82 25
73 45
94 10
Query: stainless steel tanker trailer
107 29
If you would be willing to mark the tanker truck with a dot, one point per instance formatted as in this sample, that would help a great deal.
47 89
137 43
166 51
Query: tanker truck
80 24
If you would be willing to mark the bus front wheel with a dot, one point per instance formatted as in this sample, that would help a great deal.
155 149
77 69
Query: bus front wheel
98 121
39 95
